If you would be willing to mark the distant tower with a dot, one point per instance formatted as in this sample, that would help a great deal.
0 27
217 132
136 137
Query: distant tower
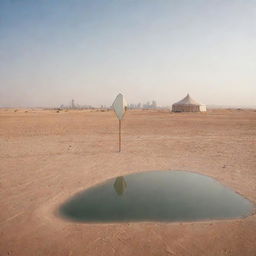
154 105
73 104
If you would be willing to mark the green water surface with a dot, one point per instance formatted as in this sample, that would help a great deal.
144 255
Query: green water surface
156 196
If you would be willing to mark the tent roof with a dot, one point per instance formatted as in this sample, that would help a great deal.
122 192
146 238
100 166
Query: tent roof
187 101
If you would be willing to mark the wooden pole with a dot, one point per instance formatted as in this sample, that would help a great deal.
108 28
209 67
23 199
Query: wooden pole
119 135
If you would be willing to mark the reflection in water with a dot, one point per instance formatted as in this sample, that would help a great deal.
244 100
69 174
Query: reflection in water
157 196
120 185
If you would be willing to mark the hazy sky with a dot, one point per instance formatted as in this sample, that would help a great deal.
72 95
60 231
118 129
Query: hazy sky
52 51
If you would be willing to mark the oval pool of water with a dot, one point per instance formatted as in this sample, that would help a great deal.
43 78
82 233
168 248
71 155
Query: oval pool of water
157 196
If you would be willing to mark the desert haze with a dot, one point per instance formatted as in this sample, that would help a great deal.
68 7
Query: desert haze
47 156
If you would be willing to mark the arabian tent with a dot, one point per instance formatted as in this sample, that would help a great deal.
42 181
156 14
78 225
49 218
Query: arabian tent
188 105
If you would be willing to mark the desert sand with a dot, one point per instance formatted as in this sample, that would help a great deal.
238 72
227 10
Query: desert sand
48 156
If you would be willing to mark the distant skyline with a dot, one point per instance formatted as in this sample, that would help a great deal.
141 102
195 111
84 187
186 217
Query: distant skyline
55 51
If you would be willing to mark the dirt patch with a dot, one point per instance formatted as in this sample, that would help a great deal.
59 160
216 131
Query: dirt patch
46 157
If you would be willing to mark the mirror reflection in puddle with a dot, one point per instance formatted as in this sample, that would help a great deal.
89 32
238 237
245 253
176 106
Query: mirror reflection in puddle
157 196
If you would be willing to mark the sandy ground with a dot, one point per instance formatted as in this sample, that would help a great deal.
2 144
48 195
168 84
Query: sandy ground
46 157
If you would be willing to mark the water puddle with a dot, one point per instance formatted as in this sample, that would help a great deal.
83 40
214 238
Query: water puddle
157 196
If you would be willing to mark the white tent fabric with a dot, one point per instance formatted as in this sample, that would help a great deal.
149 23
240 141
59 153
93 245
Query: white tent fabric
188 105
